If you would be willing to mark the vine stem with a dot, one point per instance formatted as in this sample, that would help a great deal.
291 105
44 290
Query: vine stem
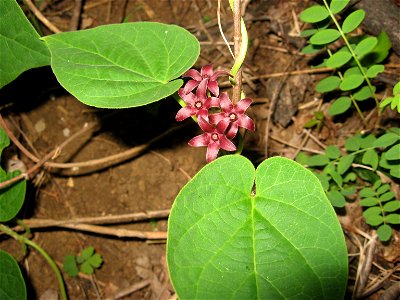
47 257
360 67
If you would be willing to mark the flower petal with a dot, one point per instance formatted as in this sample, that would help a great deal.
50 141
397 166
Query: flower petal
225 102
201 90
190 85
188 98
246 122
222 125
200 140
213 87
212 151
207 71
215 118
219 73
205 126
185 112
232 130
242 105
214 101
202 114
226 144
194 74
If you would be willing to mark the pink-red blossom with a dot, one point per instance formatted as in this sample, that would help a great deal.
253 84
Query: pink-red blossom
196 105
234 114
213 138
206 74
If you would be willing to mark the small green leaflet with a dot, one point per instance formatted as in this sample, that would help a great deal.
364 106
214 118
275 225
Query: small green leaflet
325 36
12 285
314 14
353 21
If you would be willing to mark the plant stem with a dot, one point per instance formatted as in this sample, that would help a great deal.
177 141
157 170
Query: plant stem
360 67
47 257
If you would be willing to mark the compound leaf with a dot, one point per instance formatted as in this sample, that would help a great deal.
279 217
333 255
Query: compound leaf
122 65
314 14
225 243
340 106
325 36
12 285
353 21
20 46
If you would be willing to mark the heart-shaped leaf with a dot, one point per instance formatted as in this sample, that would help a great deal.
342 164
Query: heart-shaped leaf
20 46
122 65
12 285
11 197
284 242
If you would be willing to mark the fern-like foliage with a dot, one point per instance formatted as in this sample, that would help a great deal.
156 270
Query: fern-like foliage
355 62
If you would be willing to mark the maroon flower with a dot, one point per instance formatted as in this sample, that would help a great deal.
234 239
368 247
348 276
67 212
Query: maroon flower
233 114
206 74
213 137
197 105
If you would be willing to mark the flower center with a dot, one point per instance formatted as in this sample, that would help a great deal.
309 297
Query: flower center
232 117
198 104
214 137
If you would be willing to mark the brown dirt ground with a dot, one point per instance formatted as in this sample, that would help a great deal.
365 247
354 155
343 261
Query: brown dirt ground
151 181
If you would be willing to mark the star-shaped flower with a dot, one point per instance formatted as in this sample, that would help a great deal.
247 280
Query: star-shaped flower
213 137
234 114
206 74
197 105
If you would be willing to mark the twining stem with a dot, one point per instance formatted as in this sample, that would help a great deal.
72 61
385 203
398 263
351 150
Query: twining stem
241 41
360 67
50 261
351 97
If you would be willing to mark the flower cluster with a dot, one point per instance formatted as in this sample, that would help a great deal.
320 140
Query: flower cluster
200 94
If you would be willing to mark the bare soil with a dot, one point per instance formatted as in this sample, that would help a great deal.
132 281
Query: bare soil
37 106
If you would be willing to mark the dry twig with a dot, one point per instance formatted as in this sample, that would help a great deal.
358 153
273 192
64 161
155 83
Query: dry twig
41 17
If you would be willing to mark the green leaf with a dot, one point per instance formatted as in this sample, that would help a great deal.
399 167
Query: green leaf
324 179
12 285
387 196
386 140
371 158
302 158
85 255
338 59
95 260
332 152
20 46
70 266
353 71
122 65
393 218
386 102
311 49
11 197
365 46
4 140
372 211
348 191
370 201
374 220
393 153
345 163
318 160
335 176
314 14
396 89
364 93
336 198
336 6
353 143
368 141
351 176
224 243
377 184
384 232
395 172
392 206
381 50
383 189
339 106
351 82
374 70
353 21
325 36
308 32
328 84
87 268
367 192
